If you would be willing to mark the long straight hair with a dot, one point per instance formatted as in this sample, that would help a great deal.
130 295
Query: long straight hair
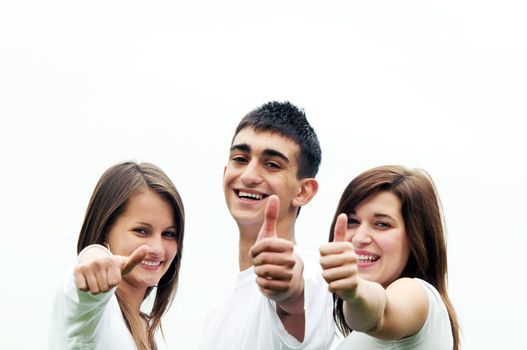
108 201
421 211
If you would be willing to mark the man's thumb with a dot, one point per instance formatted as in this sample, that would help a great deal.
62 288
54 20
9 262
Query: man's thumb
271 218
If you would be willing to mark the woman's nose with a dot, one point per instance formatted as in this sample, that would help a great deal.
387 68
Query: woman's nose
156 245
361 236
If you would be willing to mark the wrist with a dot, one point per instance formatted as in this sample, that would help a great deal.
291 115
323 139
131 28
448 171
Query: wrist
293 302
93 251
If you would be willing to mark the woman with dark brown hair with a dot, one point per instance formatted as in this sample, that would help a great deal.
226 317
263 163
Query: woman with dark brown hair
386 264
130 246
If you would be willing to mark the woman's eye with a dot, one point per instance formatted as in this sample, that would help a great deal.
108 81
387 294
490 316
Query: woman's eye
170 234
352 221
383 225
140 231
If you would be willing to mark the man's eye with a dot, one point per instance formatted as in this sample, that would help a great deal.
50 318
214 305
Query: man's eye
273 165
239 159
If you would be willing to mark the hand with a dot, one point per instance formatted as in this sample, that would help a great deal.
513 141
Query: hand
275 264
97 272
339 262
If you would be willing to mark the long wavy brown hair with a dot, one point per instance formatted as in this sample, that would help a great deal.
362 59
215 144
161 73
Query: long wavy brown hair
422 214
108 201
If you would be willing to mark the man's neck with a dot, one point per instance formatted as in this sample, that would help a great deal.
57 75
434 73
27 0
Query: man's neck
243 258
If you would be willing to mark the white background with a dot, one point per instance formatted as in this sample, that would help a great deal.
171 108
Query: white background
436 85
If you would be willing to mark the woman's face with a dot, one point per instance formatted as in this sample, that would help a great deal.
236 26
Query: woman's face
148 219
377 232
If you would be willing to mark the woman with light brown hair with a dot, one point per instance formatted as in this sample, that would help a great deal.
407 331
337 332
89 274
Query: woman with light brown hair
130 246
386 264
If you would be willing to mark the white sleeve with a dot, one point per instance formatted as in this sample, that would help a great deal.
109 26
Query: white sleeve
437 325
76 313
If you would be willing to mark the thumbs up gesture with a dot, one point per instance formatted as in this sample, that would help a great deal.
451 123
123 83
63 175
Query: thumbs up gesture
98 271
268 229
339 262
278 270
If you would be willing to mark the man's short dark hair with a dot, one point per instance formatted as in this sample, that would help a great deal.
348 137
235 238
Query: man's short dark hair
289 121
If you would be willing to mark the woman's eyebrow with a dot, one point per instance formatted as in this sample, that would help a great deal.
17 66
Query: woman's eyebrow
382 215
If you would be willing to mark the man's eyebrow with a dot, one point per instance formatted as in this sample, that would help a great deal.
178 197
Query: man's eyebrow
243 147
274 153
268 152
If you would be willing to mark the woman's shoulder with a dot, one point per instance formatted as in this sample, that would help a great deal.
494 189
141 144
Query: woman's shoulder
437 329
431 291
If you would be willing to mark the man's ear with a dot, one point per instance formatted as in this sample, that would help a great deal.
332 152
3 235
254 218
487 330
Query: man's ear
308 189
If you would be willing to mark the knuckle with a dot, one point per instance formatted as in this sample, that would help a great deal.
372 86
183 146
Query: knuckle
350 256
288 275
334 287
106 261
263 244
263 282
290 262
289 247
253 251
326 276
351 270
259 270
265 258
98 264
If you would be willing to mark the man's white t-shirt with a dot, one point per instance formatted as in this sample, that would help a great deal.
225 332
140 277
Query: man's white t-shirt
247 320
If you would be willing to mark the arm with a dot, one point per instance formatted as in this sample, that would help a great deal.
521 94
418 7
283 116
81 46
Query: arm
98 271
279 277
279 272
396 312
288 295
294 302
80 302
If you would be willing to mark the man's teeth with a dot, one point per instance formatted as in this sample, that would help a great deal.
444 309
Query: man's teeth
256 196
152 263
366 258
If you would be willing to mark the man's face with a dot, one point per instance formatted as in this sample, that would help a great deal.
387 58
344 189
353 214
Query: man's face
260 164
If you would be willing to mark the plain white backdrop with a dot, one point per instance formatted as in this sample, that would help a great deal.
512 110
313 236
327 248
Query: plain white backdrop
436 85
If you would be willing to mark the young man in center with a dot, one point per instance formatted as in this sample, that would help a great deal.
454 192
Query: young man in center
280 300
